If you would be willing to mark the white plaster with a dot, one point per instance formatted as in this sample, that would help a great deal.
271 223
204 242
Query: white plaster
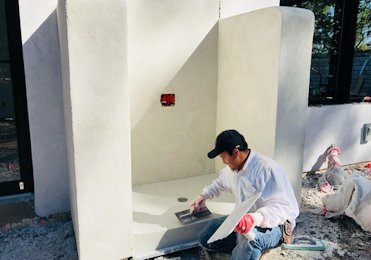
170 31
293 84
156 228
340 125
263 79
33 14
165 55
248 77
96 103
172 142
235 7
45 108
162 36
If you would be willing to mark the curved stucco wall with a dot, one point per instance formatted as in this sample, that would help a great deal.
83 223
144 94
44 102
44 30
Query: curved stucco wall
230 8
263 80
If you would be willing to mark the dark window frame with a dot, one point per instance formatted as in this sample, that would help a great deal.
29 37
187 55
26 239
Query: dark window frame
344 60
20 102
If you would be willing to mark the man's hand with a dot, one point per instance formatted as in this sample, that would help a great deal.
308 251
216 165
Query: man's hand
198 204
246 224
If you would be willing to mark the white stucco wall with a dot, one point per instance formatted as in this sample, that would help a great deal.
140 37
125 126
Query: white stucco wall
293 84
340 125
263 79
96 105
169 30
163 31
162 36
248 77
168 52
171 142
234 7
152 38
45 108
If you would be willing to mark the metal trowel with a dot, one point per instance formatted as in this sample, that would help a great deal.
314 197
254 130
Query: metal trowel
186 216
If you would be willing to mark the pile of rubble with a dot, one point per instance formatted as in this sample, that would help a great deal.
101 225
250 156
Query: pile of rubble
335 208
342 236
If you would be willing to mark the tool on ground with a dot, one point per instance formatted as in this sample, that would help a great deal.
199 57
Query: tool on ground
186 216
305 243
227 227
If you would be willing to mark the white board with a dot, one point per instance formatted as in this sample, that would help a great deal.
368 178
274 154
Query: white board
232 220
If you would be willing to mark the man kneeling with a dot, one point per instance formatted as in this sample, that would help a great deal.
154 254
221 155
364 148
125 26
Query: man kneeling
246 173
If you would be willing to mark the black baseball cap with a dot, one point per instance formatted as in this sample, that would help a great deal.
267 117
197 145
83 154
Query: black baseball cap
227 141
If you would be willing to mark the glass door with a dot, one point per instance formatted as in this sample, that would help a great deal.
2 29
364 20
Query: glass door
15 171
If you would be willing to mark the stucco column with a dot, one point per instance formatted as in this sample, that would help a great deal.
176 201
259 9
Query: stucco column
93 39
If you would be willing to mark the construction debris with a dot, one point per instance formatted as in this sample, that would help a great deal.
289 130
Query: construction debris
335 175
352 199
342 236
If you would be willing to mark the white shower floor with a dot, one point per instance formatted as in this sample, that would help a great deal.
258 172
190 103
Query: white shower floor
156 229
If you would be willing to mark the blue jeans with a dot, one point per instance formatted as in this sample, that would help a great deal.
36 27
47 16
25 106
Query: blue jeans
238 245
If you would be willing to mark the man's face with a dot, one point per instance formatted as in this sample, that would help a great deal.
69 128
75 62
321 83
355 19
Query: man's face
230 160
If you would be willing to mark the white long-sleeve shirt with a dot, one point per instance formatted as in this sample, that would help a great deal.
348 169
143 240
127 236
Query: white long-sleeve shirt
259 174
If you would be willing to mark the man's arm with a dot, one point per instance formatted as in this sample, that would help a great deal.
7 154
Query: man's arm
209 192
215 188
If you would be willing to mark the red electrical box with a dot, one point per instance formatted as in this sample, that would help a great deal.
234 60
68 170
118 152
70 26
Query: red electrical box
168 100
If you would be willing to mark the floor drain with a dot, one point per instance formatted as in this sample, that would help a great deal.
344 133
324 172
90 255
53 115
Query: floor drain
182 199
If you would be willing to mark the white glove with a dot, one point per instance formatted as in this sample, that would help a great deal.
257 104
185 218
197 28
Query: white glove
198 204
